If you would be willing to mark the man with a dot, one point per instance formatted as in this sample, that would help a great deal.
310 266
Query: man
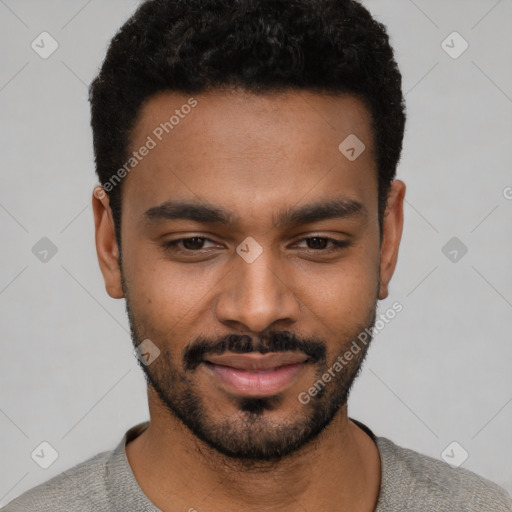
250 217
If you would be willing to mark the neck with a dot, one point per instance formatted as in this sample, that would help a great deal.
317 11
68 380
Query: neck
339 470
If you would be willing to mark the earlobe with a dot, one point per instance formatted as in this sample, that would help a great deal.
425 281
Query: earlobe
106 243
391 235
383 291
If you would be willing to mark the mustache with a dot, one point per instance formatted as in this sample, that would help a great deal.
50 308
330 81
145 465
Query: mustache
195 352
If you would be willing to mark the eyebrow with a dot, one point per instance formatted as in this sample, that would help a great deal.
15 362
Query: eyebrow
172 210
210 214
322 210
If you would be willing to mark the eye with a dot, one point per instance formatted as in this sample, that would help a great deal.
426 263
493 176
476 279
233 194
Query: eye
183 245
320 243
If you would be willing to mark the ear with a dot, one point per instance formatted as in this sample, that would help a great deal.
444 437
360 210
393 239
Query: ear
391 235
106 244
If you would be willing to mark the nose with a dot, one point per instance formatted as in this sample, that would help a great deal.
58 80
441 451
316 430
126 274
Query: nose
255 296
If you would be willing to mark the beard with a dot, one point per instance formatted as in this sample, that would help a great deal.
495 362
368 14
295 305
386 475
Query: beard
251 434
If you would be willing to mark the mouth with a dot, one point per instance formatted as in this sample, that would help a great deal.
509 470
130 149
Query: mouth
256 375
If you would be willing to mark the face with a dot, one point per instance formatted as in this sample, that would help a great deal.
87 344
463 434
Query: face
251 258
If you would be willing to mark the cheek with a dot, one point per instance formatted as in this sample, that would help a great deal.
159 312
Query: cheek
164 294
341 302
348 286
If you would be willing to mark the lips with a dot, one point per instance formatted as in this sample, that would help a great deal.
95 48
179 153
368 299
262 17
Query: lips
257 362
256 375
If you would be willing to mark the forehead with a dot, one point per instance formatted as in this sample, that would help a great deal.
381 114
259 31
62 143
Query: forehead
250 153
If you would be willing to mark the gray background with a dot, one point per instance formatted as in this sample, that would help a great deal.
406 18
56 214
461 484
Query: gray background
438 373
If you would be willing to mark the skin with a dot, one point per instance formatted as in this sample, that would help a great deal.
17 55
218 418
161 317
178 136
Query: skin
254 156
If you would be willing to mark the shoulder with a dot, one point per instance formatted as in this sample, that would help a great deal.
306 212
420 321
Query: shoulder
80 488
411 480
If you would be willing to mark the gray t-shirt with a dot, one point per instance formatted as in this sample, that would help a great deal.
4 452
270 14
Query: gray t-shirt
410 482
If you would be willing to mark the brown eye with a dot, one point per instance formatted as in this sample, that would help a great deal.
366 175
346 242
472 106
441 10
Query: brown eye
325 244
317 242
193 244
189 246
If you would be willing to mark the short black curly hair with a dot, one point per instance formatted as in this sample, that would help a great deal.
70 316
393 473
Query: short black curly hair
262 46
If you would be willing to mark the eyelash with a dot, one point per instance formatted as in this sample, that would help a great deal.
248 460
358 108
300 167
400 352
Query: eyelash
337 245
